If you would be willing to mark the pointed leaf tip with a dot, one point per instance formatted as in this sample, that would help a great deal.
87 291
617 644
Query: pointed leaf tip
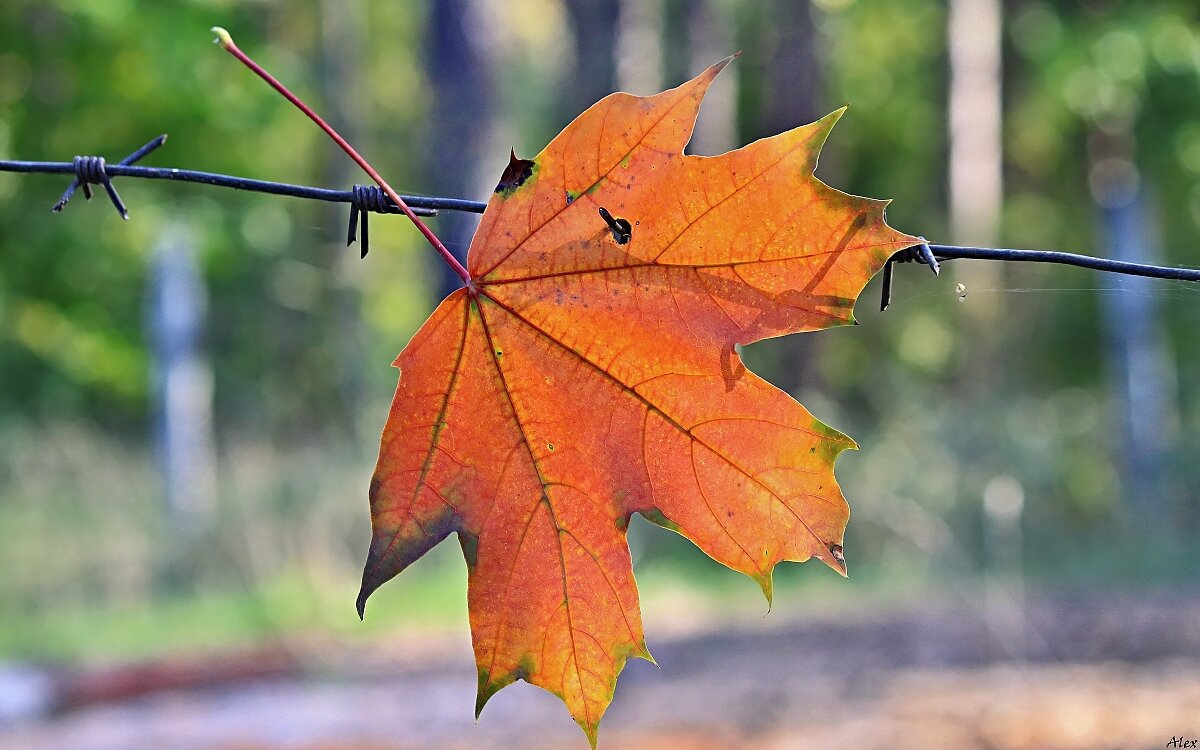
767 582
364 593
644 653
713 70
485 690
839 558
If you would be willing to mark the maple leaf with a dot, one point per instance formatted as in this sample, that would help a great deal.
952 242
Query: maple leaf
588 372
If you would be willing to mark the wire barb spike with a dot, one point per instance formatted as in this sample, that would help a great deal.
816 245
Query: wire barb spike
92 170
920 253
365 199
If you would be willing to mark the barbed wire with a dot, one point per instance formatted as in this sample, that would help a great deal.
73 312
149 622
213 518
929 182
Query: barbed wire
366 199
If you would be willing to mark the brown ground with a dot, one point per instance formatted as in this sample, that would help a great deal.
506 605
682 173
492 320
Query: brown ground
1100 672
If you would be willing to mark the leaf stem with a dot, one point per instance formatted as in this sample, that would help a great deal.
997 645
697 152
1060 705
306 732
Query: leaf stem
226 41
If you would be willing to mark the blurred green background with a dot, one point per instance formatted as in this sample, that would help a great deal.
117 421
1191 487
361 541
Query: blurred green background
1035 427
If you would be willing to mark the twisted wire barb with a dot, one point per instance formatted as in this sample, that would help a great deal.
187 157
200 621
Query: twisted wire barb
363 200
92 170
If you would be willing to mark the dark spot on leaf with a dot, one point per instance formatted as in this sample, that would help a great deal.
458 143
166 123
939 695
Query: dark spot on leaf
515 174
550 446
655 516
389 555
524 668
732 368
836 551
622 231
470 547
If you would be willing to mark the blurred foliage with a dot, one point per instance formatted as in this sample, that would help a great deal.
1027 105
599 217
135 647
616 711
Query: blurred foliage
78 79
82 523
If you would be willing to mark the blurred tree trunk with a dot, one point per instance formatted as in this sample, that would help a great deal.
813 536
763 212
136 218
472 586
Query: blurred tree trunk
779 74
975 178
690 31
974 33
710 38
184 441
678 16
594 28
342 34
694 35
1141 369
779 82
639 54
464 107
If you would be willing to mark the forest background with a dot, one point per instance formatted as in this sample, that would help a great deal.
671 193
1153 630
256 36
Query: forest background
1029 433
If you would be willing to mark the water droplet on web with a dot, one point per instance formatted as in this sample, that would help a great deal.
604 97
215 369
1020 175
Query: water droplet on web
961 291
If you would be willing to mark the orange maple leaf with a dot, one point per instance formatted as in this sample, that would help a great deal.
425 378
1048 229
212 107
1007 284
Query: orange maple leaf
588 372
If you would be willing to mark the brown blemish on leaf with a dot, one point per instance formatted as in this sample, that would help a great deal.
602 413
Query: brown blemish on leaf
732 368
515 174
622 231
839 559
394 551
470 547
525 668
836 551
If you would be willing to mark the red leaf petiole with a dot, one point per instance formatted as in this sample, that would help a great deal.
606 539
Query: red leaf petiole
226 41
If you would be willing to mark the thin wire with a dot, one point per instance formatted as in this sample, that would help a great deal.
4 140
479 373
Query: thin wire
426 203
949 252
429 202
